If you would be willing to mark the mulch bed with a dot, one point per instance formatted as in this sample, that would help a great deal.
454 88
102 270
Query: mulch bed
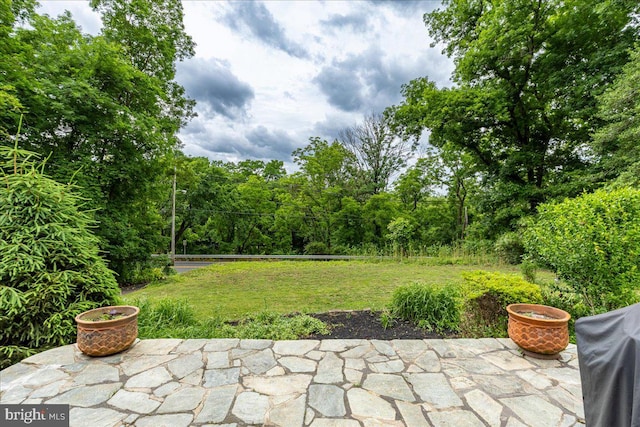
366 324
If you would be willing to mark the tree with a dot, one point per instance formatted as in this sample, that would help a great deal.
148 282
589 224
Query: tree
377 153
324 167
617 141
50 269
526 80
90 104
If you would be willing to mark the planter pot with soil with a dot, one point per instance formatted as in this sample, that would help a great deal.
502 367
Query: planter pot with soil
107 330
540 330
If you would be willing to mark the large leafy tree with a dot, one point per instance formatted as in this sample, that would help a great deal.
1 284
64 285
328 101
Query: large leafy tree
527 76
618 141
92 104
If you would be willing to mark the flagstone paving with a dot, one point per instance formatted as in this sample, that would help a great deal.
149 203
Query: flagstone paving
328 383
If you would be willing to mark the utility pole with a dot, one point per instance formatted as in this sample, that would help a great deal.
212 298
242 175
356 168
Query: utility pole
173 220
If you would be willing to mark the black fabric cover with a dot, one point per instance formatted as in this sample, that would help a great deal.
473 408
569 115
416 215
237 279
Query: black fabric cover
609 358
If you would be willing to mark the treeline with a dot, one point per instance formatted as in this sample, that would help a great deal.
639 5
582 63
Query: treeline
545 105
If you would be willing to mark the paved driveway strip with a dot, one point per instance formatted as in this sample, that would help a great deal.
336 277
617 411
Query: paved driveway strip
328 383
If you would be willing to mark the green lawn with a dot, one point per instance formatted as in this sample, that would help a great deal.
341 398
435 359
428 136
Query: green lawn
232 290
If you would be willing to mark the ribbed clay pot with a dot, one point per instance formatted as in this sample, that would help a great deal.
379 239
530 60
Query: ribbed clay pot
98 337
545 330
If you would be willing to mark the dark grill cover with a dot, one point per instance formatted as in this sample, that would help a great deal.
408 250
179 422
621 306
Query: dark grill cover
609 358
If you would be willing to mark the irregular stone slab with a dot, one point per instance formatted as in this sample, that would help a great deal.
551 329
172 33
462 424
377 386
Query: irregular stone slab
49 390
367 405
389 385
86 395
183 400
59 356
220 377
167 389
217 404
409 350
153 347
485 406
275 372
191 345
294 348
475 365
429 361
537 411
537 380
278 386
251 407
133 401
412 414
83 417
149 379
14 373
392 366
221 344
16 394
339 345
255 344
513 422
137 364
507 360
194 378
288 414
173 420
353 377
185 365
503 385
455 418
357 364
563 375
218 360
433 388
447 350
97 373
570 402
359 352
329 370
298 364
332 422
260 362
383 347
477 346
372 422
45 375
327 399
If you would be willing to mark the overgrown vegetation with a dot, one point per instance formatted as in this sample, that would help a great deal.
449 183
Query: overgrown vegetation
170 318
474 307
50 267
431 306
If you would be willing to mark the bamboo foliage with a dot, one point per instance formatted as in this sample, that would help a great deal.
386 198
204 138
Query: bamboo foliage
50 266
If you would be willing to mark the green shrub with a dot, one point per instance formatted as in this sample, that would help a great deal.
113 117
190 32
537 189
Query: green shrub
509 248
432 306
316 248
50 268
592 242
529 270
487 295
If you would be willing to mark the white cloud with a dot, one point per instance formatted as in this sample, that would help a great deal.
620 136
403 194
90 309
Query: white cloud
269 75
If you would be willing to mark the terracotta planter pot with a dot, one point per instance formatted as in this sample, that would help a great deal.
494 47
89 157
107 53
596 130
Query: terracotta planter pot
98 337
545 332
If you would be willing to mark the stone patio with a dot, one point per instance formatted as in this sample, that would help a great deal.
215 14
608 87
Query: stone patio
328 383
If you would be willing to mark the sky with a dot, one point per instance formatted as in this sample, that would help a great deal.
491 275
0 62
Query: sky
269 75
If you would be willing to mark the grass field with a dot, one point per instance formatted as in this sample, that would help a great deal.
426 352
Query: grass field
233 290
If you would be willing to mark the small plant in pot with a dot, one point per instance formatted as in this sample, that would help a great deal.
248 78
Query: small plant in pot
107 330
541 331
